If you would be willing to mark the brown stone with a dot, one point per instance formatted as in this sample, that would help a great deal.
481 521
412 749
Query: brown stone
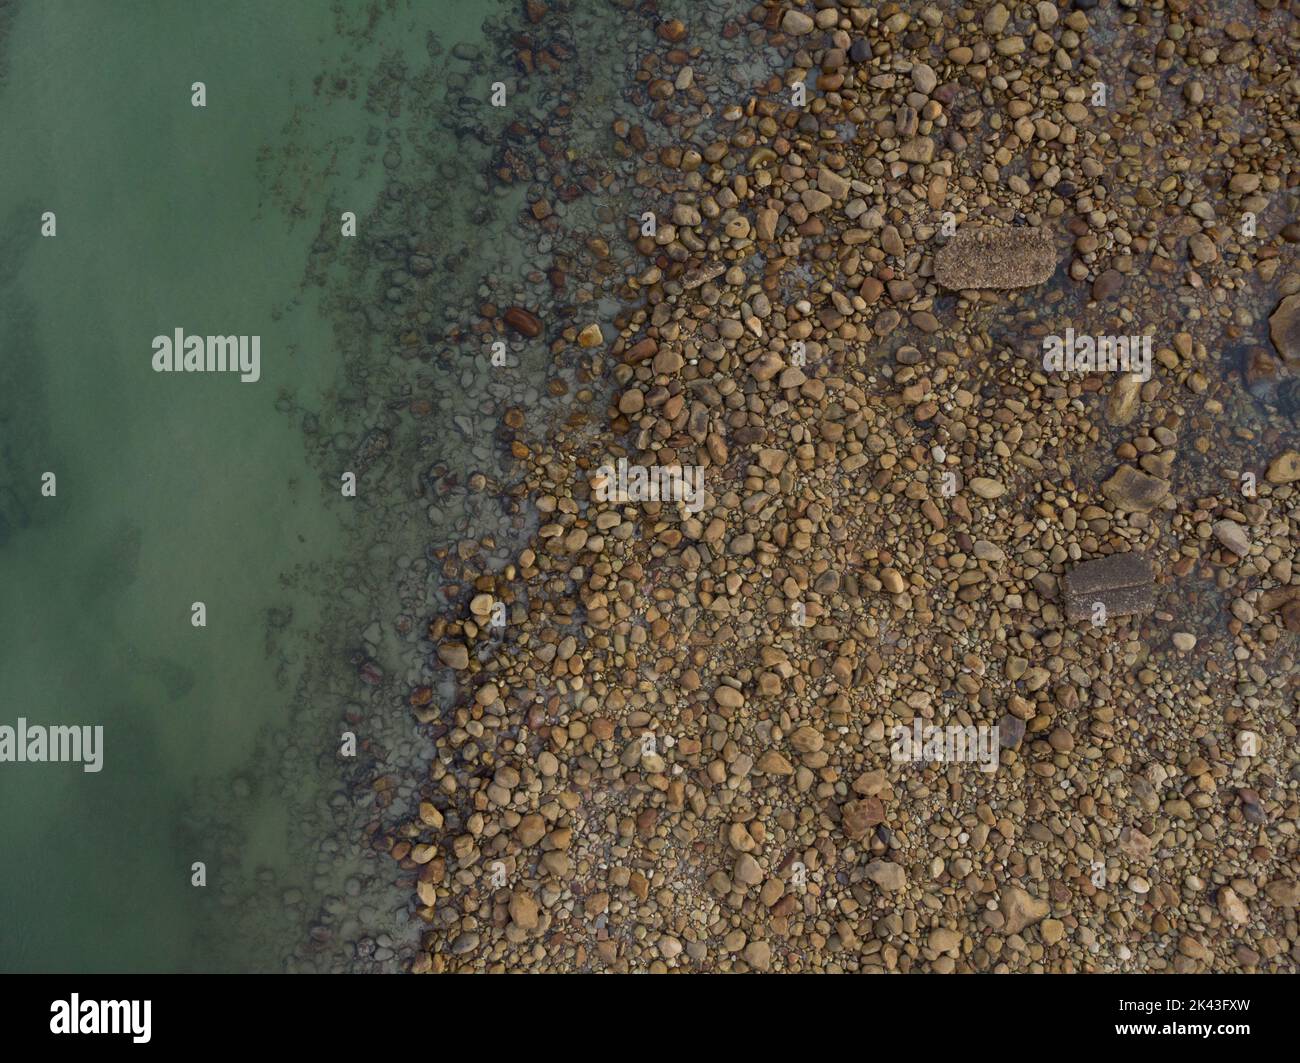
1232 907
531 829
640 351
672 30
807 740
1260 367
523 911
773 763
1283 892
1132 491
1123 583
747 870
729 697
454 655
1285 468
1020 909
523 322
887 875
918 149
1107 284
693 278
766 366
1284 329
858 817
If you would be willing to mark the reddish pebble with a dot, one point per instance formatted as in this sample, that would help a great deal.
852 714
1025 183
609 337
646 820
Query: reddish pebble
523 322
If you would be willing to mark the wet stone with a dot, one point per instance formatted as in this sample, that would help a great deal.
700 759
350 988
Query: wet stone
1284 329
640 351
1123 583
1285 468
1134 491
523 322
1107 284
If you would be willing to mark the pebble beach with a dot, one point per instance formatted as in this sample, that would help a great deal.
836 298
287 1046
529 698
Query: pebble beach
673 749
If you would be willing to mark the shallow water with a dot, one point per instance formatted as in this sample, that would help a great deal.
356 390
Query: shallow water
171 488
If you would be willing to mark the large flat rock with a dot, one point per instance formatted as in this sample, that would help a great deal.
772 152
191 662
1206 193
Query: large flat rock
1121 582
996 257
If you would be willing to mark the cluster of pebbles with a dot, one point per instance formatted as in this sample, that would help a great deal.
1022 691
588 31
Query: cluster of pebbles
677 752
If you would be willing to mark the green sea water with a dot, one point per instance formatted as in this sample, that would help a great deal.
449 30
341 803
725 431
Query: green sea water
171 488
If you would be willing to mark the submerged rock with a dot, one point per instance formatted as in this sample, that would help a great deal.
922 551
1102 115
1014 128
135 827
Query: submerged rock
1134 491
1120 582
1233 536
1285 468
523 322
1284 329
